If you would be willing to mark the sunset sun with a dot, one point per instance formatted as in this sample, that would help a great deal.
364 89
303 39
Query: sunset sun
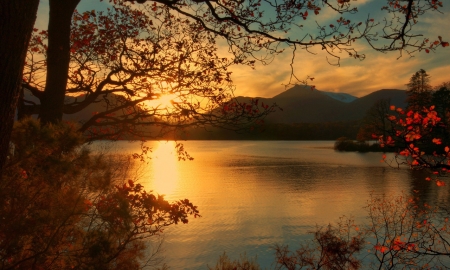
163 101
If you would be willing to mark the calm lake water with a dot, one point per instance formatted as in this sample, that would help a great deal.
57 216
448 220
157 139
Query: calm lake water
255 194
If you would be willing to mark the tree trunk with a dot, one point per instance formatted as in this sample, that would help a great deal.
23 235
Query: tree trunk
58 57
16 25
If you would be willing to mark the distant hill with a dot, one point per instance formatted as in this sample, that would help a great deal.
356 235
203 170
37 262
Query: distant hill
347 98
300 104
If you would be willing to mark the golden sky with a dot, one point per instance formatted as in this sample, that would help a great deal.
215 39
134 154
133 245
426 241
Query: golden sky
355 77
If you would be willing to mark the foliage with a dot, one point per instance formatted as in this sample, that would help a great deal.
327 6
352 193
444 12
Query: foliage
68 208
333 247
441 101
243 263
405 233
419 90
139 63
415 142
253 31
153 74
375 120
401 233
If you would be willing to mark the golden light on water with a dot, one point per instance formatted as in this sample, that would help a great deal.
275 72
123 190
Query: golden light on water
165 168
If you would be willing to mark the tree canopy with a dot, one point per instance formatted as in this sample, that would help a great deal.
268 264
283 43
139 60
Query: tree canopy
255 30
151 75
419 90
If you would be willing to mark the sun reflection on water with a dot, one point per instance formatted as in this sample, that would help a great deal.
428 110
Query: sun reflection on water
165 168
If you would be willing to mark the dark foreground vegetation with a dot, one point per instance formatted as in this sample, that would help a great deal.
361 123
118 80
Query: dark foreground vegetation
62 207
400 233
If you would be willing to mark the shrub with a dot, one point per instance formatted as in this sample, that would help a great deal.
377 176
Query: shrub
64 207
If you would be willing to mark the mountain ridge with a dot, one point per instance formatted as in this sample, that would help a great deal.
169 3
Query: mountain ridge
301 104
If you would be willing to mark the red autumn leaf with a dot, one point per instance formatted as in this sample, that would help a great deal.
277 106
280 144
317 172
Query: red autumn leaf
437 141
381 248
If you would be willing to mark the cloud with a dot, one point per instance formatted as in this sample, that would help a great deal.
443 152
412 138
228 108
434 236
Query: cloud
355 77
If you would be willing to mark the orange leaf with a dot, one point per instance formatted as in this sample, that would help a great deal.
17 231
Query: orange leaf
437 141
382 249
440 183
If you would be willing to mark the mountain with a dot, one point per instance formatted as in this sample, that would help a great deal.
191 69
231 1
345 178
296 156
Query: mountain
347 98
300 104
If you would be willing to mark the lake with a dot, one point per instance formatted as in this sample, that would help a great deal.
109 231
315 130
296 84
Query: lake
255 194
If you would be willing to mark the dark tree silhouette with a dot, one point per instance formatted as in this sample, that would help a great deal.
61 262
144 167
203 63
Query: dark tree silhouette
252 31
419 90
16 24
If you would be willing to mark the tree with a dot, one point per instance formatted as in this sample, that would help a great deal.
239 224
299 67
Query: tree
417 146
441 101
251 30
419 91
401 233
333 247
63 207
17 22
375 121
151 77
243 263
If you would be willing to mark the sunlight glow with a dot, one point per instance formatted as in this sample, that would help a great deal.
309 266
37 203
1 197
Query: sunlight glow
165 168
165 101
